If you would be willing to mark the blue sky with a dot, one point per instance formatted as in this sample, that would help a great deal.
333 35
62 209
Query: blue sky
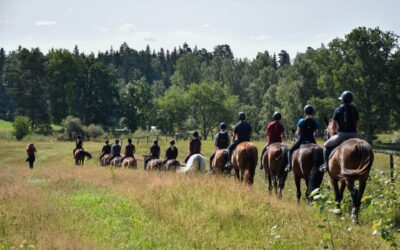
247 26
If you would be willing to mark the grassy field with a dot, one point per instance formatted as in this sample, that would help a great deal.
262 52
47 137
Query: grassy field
58 205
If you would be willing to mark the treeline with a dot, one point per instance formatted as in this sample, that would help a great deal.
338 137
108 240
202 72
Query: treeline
190 88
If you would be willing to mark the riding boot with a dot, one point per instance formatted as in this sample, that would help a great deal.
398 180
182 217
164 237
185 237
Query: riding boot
262 156
289 165
228 165
327 152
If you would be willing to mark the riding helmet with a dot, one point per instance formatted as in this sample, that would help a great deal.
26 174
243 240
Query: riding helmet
155 141
308 109
242 116
117 141
346 97
277 116
222 125
107 141
195 134
129 140
172 142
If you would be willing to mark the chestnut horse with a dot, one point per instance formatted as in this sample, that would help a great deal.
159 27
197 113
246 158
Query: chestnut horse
244 161
171 165
129 162
351 162
306 162
80 155
219 161
274 162
155 164
104 161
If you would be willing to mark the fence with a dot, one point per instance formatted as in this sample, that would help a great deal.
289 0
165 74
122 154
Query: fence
391 153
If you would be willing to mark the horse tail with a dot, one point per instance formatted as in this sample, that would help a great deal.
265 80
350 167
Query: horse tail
251 165
316 176
366 154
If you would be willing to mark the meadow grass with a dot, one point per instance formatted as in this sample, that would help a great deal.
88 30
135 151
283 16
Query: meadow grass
58 205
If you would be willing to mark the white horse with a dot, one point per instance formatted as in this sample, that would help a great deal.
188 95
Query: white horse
196 162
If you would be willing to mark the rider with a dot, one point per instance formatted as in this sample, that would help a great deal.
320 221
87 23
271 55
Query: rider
222 141
78 145
345 125
194 146
106 149
30 151
306 129
115 150
154 153
241 133
129 150
275 133
172 152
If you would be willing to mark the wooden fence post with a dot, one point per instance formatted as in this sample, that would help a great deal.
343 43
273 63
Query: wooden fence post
391 168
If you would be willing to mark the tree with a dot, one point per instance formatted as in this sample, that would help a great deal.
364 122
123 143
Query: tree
29 86
187 70
21 127
211 104
284 58
223 51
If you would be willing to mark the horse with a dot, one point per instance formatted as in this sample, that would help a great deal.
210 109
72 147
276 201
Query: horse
80 155
196 162
155 164
104 161
244 161
274 162
129 162
219 161
116 161
171 165
351 162
306 162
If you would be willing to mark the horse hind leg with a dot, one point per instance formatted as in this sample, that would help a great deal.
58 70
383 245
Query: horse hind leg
354 196
298 190
275 184
335 184
269 177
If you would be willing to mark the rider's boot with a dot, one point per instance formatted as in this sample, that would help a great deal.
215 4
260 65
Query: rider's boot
289 165
327 152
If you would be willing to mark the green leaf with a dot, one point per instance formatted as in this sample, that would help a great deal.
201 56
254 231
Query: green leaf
327 236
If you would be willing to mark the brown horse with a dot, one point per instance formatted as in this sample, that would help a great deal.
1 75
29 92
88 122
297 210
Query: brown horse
306 162
274 162
116 161
244 161
171 165
155 164
352 161
105 160
80 155
219 161
129 162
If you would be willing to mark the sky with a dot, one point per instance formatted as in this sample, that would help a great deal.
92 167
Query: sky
249 27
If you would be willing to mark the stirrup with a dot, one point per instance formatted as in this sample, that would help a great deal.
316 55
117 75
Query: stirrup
288 168
323 167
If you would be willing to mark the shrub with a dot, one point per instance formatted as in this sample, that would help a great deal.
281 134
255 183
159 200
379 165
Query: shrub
21 127
396 137
72 127
93 131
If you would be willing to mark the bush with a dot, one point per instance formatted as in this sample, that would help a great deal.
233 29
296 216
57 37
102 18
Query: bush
396 137
72 127
21 127
93 131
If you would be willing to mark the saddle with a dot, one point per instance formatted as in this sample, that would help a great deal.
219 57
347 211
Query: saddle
333 152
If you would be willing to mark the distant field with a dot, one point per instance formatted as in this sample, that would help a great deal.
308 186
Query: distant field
5 126
59 205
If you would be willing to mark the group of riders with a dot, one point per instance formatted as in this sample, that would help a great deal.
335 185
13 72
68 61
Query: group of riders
345 125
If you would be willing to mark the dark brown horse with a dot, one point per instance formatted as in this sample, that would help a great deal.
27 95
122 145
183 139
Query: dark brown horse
351 162
155 164
274 163
171 165
219 161
244 161
306 162
129 162
80 155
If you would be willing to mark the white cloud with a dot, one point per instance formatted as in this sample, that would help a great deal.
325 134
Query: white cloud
205 25
185 34
70 10
260 38
146 36
5 22
45 23
101 29
127 27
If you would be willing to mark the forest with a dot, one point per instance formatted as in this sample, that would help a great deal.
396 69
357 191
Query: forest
190 88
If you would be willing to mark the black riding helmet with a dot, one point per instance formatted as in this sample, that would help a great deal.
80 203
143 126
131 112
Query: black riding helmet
106 141
129 140
155 141
242 116
222 125
196 134
308 109
116 141
277 116
346 97
172 142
